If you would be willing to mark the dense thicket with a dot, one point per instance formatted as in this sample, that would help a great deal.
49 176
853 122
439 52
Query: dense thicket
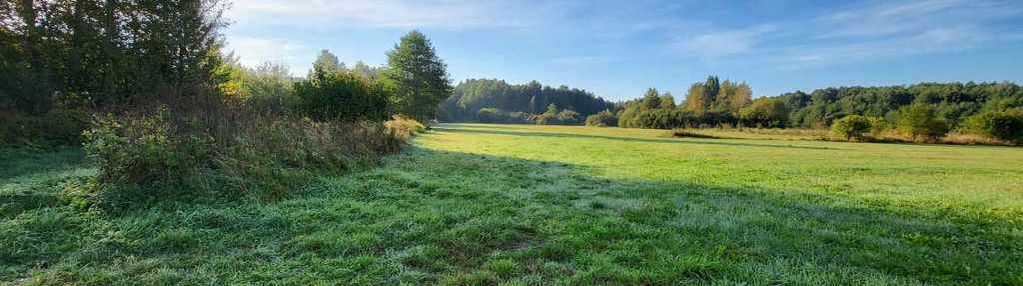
173 114
512 103
105 52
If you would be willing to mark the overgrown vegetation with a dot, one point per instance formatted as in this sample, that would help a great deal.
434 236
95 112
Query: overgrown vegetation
174 117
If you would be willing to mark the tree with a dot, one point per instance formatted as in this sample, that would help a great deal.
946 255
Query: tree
696 98
852 126
764 112
651 99
1003 125
920 120
602 119
343 96
326 63
419 76
667 101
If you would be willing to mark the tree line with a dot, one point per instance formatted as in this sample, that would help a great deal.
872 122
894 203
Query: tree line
925 110
496 101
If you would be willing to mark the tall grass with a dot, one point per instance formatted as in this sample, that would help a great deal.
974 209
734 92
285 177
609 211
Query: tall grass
187 145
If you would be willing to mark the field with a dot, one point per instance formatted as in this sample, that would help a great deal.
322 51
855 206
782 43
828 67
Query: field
528 205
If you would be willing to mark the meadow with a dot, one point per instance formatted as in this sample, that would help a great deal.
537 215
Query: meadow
482 204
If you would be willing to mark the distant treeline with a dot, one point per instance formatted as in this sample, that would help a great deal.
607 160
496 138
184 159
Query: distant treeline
925 110
496 101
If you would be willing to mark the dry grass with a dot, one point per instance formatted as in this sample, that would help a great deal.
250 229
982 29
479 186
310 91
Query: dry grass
890 136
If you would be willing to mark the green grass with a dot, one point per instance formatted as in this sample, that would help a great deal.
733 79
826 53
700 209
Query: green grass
528 205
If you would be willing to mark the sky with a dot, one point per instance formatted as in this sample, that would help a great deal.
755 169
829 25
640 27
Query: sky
618 49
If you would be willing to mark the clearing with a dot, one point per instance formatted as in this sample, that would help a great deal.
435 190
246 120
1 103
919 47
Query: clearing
522 204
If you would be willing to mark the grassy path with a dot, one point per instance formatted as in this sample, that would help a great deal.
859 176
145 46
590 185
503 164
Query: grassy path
528 205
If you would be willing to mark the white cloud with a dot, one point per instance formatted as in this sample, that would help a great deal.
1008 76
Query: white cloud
376 13
254 51
871 30
723 43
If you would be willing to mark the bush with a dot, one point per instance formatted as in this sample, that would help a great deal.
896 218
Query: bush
921 122
851 126
403 127
568 117
341 95
602 119
212 148
494 115
1004 125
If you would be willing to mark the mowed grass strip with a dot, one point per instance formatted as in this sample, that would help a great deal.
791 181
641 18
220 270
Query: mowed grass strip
539 205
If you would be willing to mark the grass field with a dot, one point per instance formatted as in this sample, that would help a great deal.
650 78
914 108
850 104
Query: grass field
530 205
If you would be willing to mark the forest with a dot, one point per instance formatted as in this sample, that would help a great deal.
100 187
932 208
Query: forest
496 101
924 111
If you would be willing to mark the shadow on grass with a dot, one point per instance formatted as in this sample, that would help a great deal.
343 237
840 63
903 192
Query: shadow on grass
17 162
625 139
431 215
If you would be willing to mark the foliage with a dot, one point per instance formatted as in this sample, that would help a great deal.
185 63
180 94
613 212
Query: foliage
269 87
404 128
471 96
851 127
1003 125
108 52
147 150
764 112
186 150
714 95
921 121
341 95
420 77
602 119
555 117
494 115
952 102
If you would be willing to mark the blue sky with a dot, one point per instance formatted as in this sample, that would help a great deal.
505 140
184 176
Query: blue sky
617 49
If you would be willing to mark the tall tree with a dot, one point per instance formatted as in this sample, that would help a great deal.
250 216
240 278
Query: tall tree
326 63
696 98
420 77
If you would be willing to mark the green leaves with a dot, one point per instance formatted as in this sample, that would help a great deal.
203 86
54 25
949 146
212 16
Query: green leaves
420 77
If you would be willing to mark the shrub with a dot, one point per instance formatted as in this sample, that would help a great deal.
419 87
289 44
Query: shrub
404 127
568 117
341 95
212 148
602 119
851 126
494 115
764 112
1002 125
146 150
921 121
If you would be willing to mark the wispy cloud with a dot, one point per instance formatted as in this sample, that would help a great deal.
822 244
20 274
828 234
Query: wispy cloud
864 31
723 43
377 13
